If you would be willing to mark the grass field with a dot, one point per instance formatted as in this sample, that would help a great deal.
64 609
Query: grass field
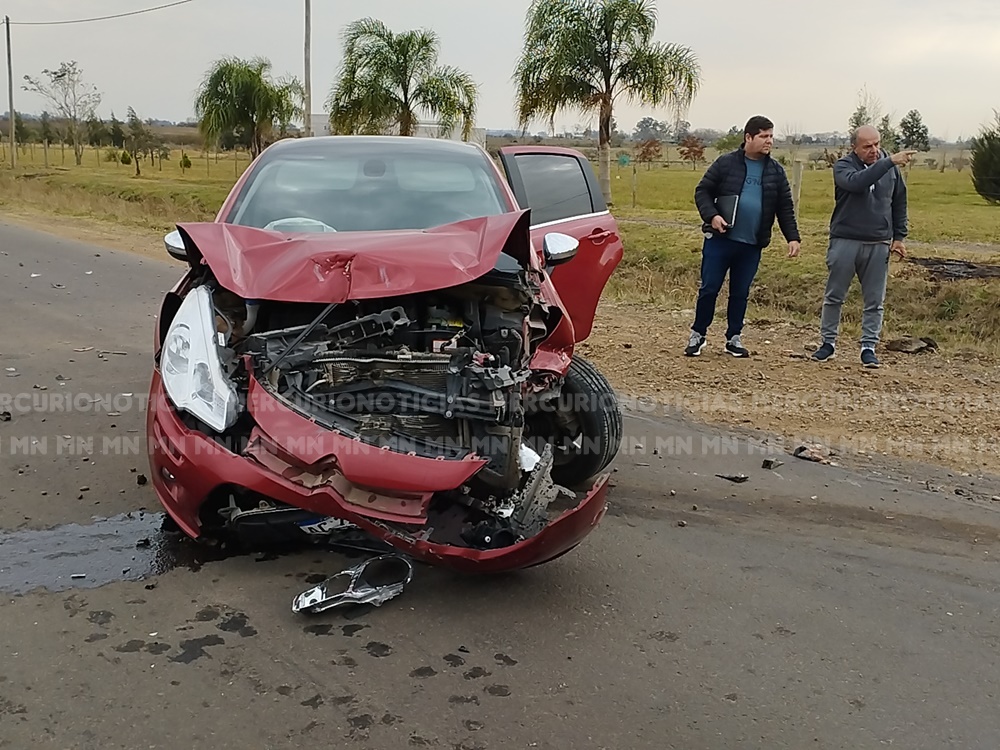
661 233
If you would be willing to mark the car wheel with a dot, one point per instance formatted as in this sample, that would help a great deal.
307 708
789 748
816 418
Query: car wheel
584 428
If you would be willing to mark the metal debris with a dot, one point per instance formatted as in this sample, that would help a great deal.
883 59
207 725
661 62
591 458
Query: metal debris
814 453
375 581
738 478
771 463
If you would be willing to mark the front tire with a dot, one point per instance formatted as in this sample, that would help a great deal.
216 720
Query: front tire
585 428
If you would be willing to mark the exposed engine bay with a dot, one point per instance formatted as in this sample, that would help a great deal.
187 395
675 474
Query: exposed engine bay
443 375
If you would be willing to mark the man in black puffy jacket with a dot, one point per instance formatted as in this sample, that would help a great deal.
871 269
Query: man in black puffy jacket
764 194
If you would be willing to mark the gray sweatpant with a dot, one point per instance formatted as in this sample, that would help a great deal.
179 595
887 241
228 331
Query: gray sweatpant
846 259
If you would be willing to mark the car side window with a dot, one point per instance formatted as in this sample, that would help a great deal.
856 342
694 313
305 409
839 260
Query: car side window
556 187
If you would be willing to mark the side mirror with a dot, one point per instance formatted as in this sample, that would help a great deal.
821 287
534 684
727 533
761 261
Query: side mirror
559 248
175 245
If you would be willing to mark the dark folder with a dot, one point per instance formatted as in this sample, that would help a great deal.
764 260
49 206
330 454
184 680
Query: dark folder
726 206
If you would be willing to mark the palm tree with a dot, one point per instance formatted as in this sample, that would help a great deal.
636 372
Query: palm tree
588 54
388 79
238 96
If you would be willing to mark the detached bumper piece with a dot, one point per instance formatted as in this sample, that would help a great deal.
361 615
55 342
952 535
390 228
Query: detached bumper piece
374 582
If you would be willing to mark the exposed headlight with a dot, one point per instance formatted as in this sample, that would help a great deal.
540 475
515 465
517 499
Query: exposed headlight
192 370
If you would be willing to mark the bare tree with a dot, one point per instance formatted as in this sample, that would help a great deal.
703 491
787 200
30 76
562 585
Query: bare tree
71 98
793 135
868 112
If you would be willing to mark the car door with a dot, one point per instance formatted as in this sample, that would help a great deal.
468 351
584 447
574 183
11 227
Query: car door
562 191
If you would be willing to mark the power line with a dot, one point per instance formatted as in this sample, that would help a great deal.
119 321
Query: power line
99 18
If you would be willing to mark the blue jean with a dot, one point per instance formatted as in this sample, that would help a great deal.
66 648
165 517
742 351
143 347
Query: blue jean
741 261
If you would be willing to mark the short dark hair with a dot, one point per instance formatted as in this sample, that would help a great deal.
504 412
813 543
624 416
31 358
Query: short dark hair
756 124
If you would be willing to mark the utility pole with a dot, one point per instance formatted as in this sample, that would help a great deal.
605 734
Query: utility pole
10 95
308 76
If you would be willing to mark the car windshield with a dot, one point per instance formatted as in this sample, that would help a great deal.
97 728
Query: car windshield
357 185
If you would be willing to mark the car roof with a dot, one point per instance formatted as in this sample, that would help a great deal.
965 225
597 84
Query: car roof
411 144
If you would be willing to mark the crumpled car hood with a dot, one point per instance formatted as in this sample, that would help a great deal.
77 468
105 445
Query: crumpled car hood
261 264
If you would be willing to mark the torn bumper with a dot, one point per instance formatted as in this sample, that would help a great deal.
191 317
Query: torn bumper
347 480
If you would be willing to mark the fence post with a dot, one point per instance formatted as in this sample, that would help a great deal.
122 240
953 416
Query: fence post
634 182
797 169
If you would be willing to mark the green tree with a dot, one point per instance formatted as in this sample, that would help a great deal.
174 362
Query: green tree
731 140
239 96
45 129
98 134
913 132
889 135
649 129
985 157
139 139
22 133
589 55
117 132
388 79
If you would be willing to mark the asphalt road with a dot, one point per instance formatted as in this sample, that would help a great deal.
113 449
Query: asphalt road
809 607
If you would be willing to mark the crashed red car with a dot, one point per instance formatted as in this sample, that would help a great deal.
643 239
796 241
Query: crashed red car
378 333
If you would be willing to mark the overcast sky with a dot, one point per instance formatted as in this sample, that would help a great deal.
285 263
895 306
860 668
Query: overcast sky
799 62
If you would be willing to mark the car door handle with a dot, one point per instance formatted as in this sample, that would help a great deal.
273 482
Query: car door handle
598 236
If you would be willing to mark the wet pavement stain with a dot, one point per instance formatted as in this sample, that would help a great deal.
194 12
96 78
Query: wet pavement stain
132 647
454 660
101 617
315 702
92 555
195 649
208 614
360 726
321 629
423 672
237 623
504 660
501 691
350 630
475 673
135 646
378 650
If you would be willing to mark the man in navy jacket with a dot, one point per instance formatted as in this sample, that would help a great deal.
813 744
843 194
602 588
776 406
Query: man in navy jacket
764 194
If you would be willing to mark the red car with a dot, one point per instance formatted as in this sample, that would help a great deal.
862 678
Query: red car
377 333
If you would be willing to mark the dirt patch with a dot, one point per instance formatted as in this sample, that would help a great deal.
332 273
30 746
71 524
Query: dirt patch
932 406
944 269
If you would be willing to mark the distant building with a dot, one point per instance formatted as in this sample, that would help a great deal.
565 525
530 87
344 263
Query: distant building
321 124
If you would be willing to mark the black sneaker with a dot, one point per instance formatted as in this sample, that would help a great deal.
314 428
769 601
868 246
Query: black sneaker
695 344
735 347
868 358
824 353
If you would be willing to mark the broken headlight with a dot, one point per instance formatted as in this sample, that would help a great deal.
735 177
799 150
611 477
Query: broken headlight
192 370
